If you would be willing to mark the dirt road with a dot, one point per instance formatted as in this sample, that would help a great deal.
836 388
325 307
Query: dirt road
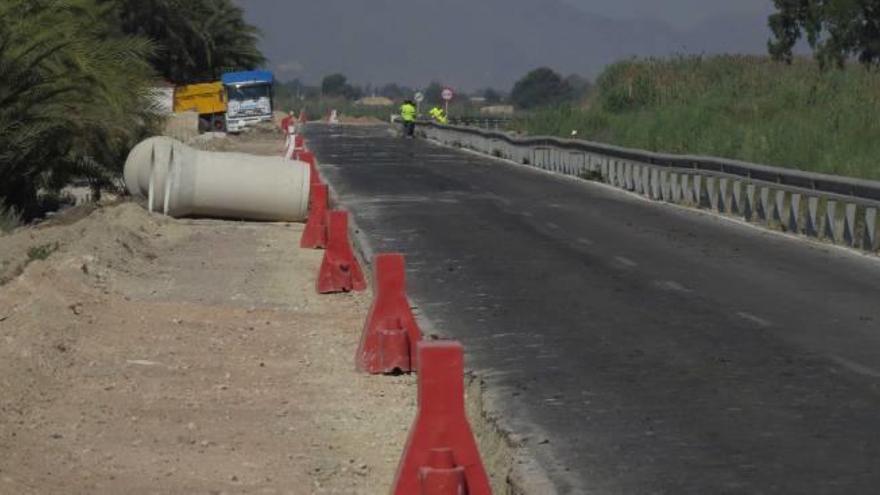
150 355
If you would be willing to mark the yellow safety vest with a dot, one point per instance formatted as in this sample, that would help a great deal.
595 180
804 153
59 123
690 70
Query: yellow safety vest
408 113
437 113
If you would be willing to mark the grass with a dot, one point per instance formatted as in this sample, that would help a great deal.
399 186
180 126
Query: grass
743 107
41 252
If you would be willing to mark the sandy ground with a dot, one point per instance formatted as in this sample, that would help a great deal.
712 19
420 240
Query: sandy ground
151 355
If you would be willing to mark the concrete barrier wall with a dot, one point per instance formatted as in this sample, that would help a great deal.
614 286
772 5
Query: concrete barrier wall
840 210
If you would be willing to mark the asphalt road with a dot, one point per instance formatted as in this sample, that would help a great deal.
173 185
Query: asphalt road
641 347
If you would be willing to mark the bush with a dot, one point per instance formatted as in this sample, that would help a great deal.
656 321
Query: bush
742 107
540 88
73 96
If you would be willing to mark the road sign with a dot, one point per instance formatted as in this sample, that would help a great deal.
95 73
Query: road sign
419 97
447 94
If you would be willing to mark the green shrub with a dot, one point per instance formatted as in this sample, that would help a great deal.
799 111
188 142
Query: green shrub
741 107
41 252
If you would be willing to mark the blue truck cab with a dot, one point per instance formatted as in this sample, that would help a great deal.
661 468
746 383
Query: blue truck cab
249 98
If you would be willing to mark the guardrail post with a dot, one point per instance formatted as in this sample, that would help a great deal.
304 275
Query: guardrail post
646 180
871 242
795 214
593 164
736 198
665 186
655 184
629 182
635 177
763 205
701 191
812 227
639 185
830 229
848 236
751 205
779 208
687 189
724 197
675 187
712 193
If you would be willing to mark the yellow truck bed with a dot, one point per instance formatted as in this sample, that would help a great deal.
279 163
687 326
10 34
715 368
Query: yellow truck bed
206 98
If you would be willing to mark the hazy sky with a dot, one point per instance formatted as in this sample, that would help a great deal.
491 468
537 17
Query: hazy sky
678 13
479 43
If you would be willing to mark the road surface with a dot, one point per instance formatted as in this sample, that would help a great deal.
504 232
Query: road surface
641 347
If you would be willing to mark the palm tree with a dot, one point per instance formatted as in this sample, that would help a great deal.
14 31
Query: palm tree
197 39
73 96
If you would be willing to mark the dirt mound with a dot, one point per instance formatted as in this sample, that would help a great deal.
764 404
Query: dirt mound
115 236
149 355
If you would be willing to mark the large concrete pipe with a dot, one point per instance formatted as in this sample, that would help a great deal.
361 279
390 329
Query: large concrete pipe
178 180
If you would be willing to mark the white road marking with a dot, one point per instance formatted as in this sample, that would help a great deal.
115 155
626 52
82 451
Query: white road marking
552 225
754 319
672 285
585 241
626 261
856 367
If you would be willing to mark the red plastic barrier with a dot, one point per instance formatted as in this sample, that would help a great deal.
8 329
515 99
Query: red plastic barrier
309 157
315 234
441 425
441 476
391 334
340 270
286 122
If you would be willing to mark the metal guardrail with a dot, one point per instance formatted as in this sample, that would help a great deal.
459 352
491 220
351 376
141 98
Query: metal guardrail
842 210
481 122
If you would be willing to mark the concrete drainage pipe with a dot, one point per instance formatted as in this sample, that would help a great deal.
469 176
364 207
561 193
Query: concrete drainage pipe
178 180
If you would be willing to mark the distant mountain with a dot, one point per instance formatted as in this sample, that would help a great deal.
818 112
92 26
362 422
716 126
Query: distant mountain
467 43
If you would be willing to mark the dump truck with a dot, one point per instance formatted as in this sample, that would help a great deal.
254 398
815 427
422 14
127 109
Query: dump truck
206 99
249 97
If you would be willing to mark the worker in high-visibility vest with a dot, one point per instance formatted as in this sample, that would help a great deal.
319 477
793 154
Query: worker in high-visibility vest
408 115
439 115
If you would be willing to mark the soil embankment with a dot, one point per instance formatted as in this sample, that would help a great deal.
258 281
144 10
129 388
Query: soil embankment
142 354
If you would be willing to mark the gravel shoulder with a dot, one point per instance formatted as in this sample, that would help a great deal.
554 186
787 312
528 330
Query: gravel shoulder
149 355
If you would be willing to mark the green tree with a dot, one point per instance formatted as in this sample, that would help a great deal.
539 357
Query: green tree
540 88
433 93
198 40
835 29
74 96
334 85
337 86
492 96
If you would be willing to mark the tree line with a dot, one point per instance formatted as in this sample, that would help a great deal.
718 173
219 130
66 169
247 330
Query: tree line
540 87
76 82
